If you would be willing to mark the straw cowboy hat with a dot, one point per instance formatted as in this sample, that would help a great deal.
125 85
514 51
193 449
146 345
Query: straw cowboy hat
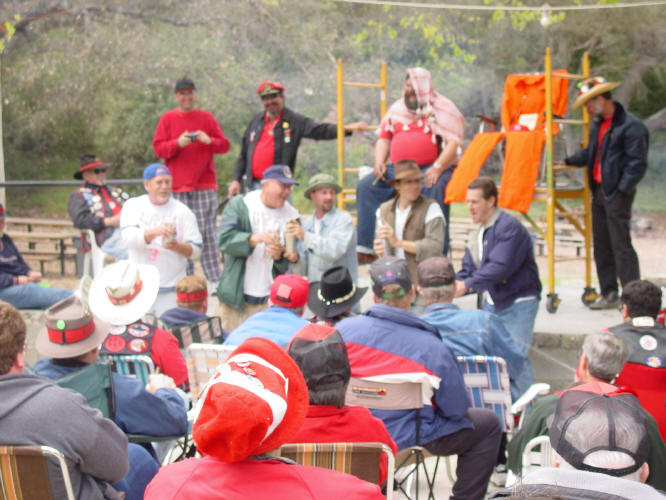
124 292
591 88
70 330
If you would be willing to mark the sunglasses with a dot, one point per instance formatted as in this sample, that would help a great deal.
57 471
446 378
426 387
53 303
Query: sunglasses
268 97
99 170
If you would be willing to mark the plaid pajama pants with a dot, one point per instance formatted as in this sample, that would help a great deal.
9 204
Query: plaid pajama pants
204 205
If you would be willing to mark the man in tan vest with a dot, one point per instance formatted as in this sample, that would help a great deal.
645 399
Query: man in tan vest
410 225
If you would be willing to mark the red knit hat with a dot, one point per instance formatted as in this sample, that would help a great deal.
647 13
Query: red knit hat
289 290
256 401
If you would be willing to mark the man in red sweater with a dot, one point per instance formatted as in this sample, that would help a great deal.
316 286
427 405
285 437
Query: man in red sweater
320 353
187 138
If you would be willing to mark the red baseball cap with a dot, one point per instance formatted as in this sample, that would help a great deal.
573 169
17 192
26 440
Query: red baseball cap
267 87
289 290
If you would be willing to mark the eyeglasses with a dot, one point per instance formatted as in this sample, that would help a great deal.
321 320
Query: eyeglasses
99 170
268 97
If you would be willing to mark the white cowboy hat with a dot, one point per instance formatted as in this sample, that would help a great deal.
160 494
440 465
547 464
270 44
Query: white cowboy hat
124 292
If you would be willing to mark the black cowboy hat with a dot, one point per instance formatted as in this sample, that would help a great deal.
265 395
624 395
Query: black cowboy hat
334 294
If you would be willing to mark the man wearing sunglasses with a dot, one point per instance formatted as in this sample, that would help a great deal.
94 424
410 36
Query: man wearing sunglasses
95 206
273 137
616 159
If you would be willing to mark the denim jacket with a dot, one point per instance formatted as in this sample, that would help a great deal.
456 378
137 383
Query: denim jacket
335 245
470 333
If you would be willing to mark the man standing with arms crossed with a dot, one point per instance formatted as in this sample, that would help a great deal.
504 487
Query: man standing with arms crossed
187 138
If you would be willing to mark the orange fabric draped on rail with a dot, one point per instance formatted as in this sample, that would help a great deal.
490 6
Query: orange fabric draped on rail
524 94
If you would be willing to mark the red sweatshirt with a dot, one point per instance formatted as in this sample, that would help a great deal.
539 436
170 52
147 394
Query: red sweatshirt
192 167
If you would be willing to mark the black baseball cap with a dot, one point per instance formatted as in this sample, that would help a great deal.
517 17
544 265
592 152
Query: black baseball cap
321 354
184 83
585 422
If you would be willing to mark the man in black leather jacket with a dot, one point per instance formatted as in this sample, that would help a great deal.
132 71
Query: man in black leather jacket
273 137
616 159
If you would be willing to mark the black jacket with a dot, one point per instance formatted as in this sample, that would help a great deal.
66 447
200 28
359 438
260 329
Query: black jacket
87 209
291 128
623 153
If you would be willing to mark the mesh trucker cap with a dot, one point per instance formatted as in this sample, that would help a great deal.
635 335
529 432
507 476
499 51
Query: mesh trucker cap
586 422
321 354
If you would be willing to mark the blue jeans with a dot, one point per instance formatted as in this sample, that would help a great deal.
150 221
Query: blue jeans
518 319
114 245
369 196
33 296
142 469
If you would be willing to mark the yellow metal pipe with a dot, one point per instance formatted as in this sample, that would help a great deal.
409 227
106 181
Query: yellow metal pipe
550 195
341 132
587 201
364 85
382 97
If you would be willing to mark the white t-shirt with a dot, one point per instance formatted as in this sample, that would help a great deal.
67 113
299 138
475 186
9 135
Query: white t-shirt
138 215
259 265
434 211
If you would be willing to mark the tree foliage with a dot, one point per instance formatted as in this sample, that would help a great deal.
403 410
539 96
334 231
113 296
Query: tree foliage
81 77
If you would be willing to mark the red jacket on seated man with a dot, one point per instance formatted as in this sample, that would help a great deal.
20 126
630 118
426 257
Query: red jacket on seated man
645 370
321 354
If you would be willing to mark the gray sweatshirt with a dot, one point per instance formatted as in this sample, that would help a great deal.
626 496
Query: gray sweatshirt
35 411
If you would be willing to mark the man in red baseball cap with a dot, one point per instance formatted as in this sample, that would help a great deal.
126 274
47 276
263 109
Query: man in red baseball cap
273 137
288 297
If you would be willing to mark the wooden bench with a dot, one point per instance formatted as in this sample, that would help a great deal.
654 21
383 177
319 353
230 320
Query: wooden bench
46 247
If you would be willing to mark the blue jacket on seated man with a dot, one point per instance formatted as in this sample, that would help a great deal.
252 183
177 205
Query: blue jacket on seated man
19 285
71 341
288 296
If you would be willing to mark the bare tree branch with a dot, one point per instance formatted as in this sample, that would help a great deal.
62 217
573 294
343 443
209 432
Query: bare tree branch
634 77
656 121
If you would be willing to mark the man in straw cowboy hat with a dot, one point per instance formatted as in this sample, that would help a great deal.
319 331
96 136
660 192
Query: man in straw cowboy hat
327 238
616 159
411 224
71 341
256 401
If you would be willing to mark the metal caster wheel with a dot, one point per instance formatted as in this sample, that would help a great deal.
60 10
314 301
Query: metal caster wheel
552 303
589 295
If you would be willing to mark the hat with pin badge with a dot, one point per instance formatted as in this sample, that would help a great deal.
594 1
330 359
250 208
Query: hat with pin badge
70 330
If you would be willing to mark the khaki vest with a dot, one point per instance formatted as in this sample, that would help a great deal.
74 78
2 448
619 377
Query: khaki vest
414 226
